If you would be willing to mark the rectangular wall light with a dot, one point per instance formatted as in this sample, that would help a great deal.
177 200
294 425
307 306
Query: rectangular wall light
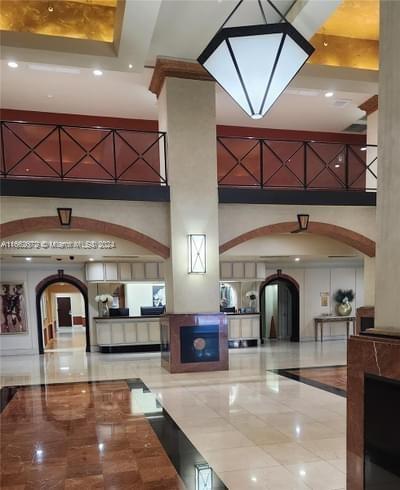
197 254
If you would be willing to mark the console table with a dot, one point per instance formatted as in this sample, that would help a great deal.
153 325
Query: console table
323 320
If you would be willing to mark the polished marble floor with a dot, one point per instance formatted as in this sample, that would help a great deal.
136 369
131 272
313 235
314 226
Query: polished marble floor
68 339
329 378
74 435
256 429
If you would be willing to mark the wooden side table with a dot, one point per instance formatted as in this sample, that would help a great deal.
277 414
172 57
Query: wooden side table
320 321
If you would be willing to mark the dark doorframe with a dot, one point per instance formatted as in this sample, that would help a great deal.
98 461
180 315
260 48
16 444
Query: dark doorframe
294 288
48 281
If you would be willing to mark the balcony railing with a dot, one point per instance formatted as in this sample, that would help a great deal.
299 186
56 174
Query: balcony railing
71 153
124 156
306 165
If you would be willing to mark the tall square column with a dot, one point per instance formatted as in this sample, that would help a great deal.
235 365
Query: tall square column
187 114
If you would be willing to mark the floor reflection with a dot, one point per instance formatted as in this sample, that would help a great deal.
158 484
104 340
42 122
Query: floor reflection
102 434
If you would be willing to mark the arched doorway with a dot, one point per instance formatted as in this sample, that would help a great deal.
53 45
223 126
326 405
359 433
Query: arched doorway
279 300
56 279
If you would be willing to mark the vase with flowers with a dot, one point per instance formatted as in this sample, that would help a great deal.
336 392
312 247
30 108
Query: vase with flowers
343 299
104 300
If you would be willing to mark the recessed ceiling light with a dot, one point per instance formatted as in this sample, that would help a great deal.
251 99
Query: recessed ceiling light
325 43
12 64
364 148
337 165
329 94
130 66
50 96
97 73
297 259
28 259
91 259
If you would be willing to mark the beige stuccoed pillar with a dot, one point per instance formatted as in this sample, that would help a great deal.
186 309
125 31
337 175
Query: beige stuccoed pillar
387 301
187 114
186 99
369 281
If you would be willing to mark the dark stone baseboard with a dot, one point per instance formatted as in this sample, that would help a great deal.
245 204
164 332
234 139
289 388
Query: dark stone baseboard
239 344
123 349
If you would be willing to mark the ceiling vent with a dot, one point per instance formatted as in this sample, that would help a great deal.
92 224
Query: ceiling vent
356 128
341 103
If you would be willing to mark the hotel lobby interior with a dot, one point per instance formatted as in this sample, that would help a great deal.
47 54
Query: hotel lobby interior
200 244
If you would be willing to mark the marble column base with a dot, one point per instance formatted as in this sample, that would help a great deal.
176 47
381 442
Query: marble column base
366 354
194 342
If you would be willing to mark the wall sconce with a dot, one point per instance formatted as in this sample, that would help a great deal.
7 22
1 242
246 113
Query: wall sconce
204 477
197 254
64 216
303 220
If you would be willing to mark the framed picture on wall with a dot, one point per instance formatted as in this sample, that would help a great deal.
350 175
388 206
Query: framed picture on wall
324 299
13 309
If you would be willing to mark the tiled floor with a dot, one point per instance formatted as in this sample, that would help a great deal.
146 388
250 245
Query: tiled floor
331 378
75 435
256 428
68 339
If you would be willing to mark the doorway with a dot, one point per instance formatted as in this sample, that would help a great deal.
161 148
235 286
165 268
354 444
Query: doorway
62 315
279 308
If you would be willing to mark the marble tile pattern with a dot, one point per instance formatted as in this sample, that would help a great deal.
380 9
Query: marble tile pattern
257 429
80 435
335 377
373 355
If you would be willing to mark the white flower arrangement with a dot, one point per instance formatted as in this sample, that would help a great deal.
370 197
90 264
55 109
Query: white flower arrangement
252 295
103 298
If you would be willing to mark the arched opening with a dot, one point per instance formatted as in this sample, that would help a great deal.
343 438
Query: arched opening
280 308
58 298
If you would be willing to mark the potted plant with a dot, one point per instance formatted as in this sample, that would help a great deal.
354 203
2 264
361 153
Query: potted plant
103 300
343 298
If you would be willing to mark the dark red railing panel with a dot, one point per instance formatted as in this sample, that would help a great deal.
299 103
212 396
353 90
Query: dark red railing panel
307 165
82 153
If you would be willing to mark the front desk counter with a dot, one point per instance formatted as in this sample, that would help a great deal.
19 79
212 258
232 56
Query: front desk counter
243 329
142 333
128 334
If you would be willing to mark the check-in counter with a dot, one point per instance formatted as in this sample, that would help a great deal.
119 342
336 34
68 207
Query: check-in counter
128 334
243 329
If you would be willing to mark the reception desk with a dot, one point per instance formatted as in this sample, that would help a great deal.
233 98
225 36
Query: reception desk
128 334
243 329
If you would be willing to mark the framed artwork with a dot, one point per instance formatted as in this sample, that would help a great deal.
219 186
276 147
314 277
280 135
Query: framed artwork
13 309
158 295
324 299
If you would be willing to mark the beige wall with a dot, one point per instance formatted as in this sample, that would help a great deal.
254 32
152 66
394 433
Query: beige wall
30 275
235 219
150 218
153 218
289 245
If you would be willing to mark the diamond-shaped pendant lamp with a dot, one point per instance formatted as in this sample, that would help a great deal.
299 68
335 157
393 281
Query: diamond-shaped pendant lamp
254 64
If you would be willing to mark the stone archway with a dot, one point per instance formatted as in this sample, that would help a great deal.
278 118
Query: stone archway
53 279
344 235
41 223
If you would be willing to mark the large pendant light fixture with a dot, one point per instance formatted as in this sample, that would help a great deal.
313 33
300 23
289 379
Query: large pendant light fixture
255 63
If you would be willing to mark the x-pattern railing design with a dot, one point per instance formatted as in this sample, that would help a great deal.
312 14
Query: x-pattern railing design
316 165
50 155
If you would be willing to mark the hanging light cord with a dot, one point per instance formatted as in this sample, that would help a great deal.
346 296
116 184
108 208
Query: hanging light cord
261 10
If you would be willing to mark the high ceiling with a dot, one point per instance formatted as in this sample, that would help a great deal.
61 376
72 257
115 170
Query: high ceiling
355 19
53 88
80 19
55 72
